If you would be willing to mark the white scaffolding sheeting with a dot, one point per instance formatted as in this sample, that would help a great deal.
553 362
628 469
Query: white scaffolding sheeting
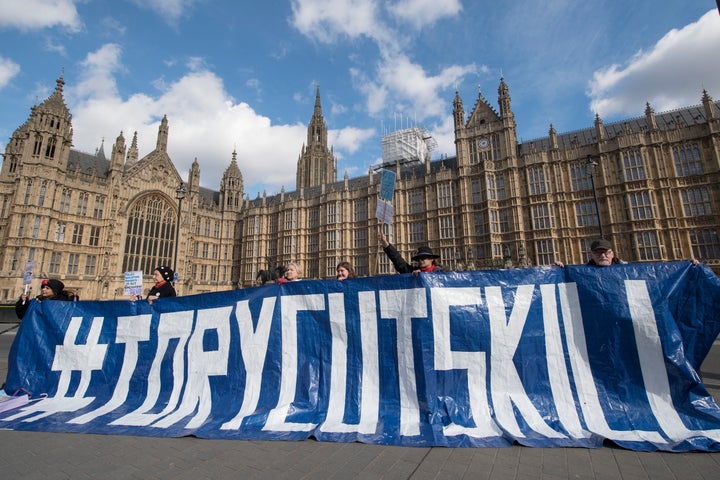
409 145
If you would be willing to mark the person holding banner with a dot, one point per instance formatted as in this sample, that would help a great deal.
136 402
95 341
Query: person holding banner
344 271
601 255
162 276
292 273
424 256
51 289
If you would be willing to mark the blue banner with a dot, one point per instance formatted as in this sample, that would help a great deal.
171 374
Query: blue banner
546 357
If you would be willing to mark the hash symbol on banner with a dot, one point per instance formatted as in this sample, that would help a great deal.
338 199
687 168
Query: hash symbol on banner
71 357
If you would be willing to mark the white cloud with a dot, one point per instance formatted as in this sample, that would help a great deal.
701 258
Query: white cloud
670 75
416 92
254 84
328 20
8 70
38 14
99 68
55 48
444 134
420 13
204 122
169 10
398 84
349 139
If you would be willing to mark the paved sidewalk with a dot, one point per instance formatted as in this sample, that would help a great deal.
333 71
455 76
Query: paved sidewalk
31 455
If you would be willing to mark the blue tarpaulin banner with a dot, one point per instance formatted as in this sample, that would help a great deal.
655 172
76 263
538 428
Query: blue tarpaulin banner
546 357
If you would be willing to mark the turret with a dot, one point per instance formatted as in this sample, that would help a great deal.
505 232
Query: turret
458 112
552 136
132 154
599 128
162 139
117 157
504 101
231 186
708 106
650 117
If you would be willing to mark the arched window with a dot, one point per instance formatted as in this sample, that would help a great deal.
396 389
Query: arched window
38 145
43 191
152 223
50 149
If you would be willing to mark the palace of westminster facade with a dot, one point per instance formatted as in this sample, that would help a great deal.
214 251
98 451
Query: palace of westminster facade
649 185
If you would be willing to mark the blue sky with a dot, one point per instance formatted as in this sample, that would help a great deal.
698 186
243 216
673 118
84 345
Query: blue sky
241 75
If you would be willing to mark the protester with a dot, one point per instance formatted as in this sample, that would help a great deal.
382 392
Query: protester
602 254
424 256
292 273
51 289
162 276
344 271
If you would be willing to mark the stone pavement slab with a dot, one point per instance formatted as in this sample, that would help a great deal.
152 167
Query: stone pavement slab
37 455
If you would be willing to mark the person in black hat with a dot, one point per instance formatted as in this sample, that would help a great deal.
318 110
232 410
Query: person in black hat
50 289
602 255
162 276
424 256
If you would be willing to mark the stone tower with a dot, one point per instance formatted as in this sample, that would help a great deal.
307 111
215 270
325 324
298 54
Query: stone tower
316 164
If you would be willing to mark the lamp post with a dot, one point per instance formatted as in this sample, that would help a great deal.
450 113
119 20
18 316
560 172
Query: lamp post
180 193
590 165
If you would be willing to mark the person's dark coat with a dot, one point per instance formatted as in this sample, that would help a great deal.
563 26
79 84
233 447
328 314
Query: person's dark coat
402 266
614 261
58 294
162 290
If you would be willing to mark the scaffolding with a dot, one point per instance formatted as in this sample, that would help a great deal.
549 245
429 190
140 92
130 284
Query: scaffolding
406 146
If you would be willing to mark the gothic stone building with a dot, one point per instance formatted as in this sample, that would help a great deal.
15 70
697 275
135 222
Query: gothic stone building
645 183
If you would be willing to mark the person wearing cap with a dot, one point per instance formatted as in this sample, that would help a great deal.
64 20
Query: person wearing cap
50 289
602 255
424 256
162 276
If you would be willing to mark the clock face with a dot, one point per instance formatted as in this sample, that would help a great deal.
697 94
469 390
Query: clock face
483 142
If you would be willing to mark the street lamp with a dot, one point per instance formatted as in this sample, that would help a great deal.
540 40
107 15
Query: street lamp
180 193
590 165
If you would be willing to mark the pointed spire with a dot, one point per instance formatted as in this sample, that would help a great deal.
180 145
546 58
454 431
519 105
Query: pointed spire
162 139
316 163
318 108
55 103
708 105
599 128
504 100
233 171
480 94
132 155
458 111
194 179
118 153
100 152
650 117
553 137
